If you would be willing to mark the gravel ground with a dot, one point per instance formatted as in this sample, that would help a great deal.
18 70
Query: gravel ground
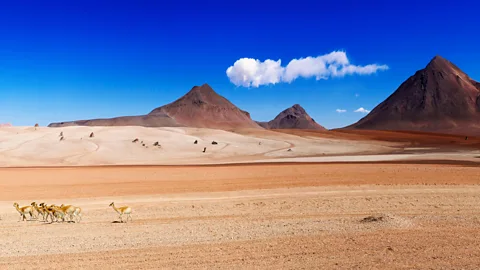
368 226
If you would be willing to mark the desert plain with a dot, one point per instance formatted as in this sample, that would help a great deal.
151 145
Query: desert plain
257 199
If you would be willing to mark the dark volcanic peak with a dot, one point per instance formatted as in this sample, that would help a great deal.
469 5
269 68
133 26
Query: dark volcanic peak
438 98
203 107
441 64
294 117
200 107
438 59
197 96
297 109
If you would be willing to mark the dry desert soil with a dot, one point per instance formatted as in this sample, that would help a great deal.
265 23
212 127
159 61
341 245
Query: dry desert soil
414 205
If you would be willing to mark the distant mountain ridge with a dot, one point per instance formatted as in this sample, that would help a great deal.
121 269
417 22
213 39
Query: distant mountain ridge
200 107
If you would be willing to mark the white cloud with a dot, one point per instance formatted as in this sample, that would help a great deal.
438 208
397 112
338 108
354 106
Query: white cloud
249 72
361 110
340 111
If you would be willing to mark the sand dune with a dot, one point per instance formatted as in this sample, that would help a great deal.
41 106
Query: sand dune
25 146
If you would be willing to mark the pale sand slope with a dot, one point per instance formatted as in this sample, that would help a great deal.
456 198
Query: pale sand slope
25 146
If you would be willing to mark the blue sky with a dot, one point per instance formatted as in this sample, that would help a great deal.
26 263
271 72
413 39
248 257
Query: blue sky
62 61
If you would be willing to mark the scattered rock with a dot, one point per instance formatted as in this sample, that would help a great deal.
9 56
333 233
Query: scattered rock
61 138
372 219
156 144
260 204
204 149
289 150
214 142
61 134
92 135
134 141
195 142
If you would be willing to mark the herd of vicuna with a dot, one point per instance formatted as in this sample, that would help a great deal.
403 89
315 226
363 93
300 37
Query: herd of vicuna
62 213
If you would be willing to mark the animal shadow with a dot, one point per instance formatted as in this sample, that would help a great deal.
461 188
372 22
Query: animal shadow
117 221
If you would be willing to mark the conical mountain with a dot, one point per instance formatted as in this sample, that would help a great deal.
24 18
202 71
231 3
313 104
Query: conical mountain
438 98
203 107
200 107
294 117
